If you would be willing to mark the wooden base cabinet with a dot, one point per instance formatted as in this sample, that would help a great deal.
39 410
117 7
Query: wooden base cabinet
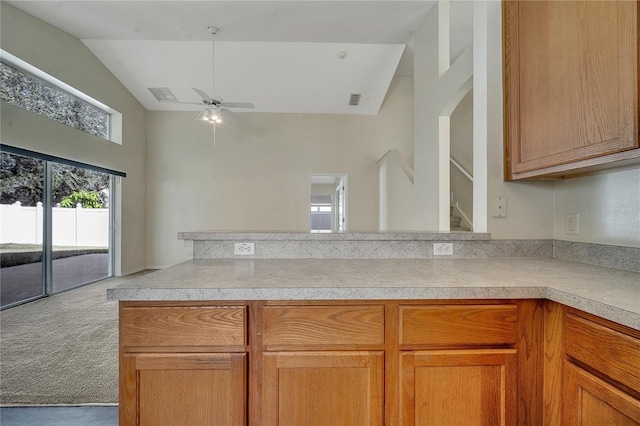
589 400
413 362
183 364
592 370
323 388
475 387
184 389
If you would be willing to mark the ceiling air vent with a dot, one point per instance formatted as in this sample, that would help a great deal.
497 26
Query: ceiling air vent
162 94
354 99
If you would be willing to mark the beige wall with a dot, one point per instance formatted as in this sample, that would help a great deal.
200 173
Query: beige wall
259 176
66 58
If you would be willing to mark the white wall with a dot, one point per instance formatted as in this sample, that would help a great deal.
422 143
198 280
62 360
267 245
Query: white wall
438 89
259 177
66 58
462 152
529 204
397 199
608 205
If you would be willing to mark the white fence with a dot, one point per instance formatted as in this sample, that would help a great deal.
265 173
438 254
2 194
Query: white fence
70 227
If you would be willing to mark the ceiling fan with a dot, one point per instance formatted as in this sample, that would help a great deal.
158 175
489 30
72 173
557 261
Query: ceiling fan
214 106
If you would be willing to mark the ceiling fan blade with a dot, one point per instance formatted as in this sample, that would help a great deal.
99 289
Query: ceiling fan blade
184 103
233 115
202 94
247 105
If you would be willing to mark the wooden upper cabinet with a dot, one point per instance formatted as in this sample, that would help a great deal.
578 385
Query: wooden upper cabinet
571 85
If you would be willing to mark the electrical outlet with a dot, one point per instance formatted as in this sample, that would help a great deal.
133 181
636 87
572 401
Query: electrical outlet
572 224
244 249
443 249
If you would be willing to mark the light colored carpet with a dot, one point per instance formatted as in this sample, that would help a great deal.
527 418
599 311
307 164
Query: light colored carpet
62 349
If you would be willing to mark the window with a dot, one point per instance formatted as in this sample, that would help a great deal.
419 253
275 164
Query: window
27 87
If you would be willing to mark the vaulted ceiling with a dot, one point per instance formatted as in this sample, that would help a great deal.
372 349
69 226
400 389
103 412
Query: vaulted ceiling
282 56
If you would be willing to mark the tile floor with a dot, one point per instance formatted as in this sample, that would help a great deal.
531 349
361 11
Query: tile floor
86 415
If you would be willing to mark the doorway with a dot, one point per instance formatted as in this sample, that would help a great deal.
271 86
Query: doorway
328 202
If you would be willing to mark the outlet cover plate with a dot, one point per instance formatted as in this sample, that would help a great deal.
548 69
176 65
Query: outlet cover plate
572 224
244 249
499 206
443 249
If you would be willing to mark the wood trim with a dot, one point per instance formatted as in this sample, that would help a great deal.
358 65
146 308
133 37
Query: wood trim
611 162
186 349
511 79
392 364
553 361
183 361
128 391
530 361
256 367
239 388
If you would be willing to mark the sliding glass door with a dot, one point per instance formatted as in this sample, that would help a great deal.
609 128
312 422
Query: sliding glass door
55 228
22 228
80 226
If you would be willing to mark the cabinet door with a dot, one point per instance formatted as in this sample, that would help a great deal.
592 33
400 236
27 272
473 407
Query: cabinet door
323 388
589 400
183 389
471 387
571 83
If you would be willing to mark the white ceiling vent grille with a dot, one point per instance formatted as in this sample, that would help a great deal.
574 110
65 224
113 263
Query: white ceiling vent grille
354 99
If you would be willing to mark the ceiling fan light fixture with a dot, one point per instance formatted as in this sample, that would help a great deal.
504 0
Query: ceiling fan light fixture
210 115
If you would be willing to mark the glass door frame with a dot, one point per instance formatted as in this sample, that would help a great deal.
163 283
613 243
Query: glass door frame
47 208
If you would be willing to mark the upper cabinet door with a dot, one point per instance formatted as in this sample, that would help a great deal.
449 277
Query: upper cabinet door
571 85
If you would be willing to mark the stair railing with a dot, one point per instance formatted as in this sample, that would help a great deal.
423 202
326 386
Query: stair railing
462 169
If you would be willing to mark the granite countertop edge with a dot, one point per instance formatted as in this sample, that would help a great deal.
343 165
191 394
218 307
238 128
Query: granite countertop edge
608 293
345 236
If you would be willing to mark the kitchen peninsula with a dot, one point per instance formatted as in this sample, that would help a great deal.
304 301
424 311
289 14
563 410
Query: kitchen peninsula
378 340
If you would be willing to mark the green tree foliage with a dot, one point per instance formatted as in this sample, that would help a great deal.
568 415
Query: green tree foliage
22 179
88 200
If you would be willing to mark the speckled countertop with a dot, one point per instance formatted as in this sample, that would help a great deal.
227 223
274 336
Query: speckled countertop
609 293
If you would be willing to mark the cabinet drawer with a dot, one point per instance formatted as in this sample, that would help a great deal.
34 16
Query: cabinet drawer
183 326
464 325
323 325
613 353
